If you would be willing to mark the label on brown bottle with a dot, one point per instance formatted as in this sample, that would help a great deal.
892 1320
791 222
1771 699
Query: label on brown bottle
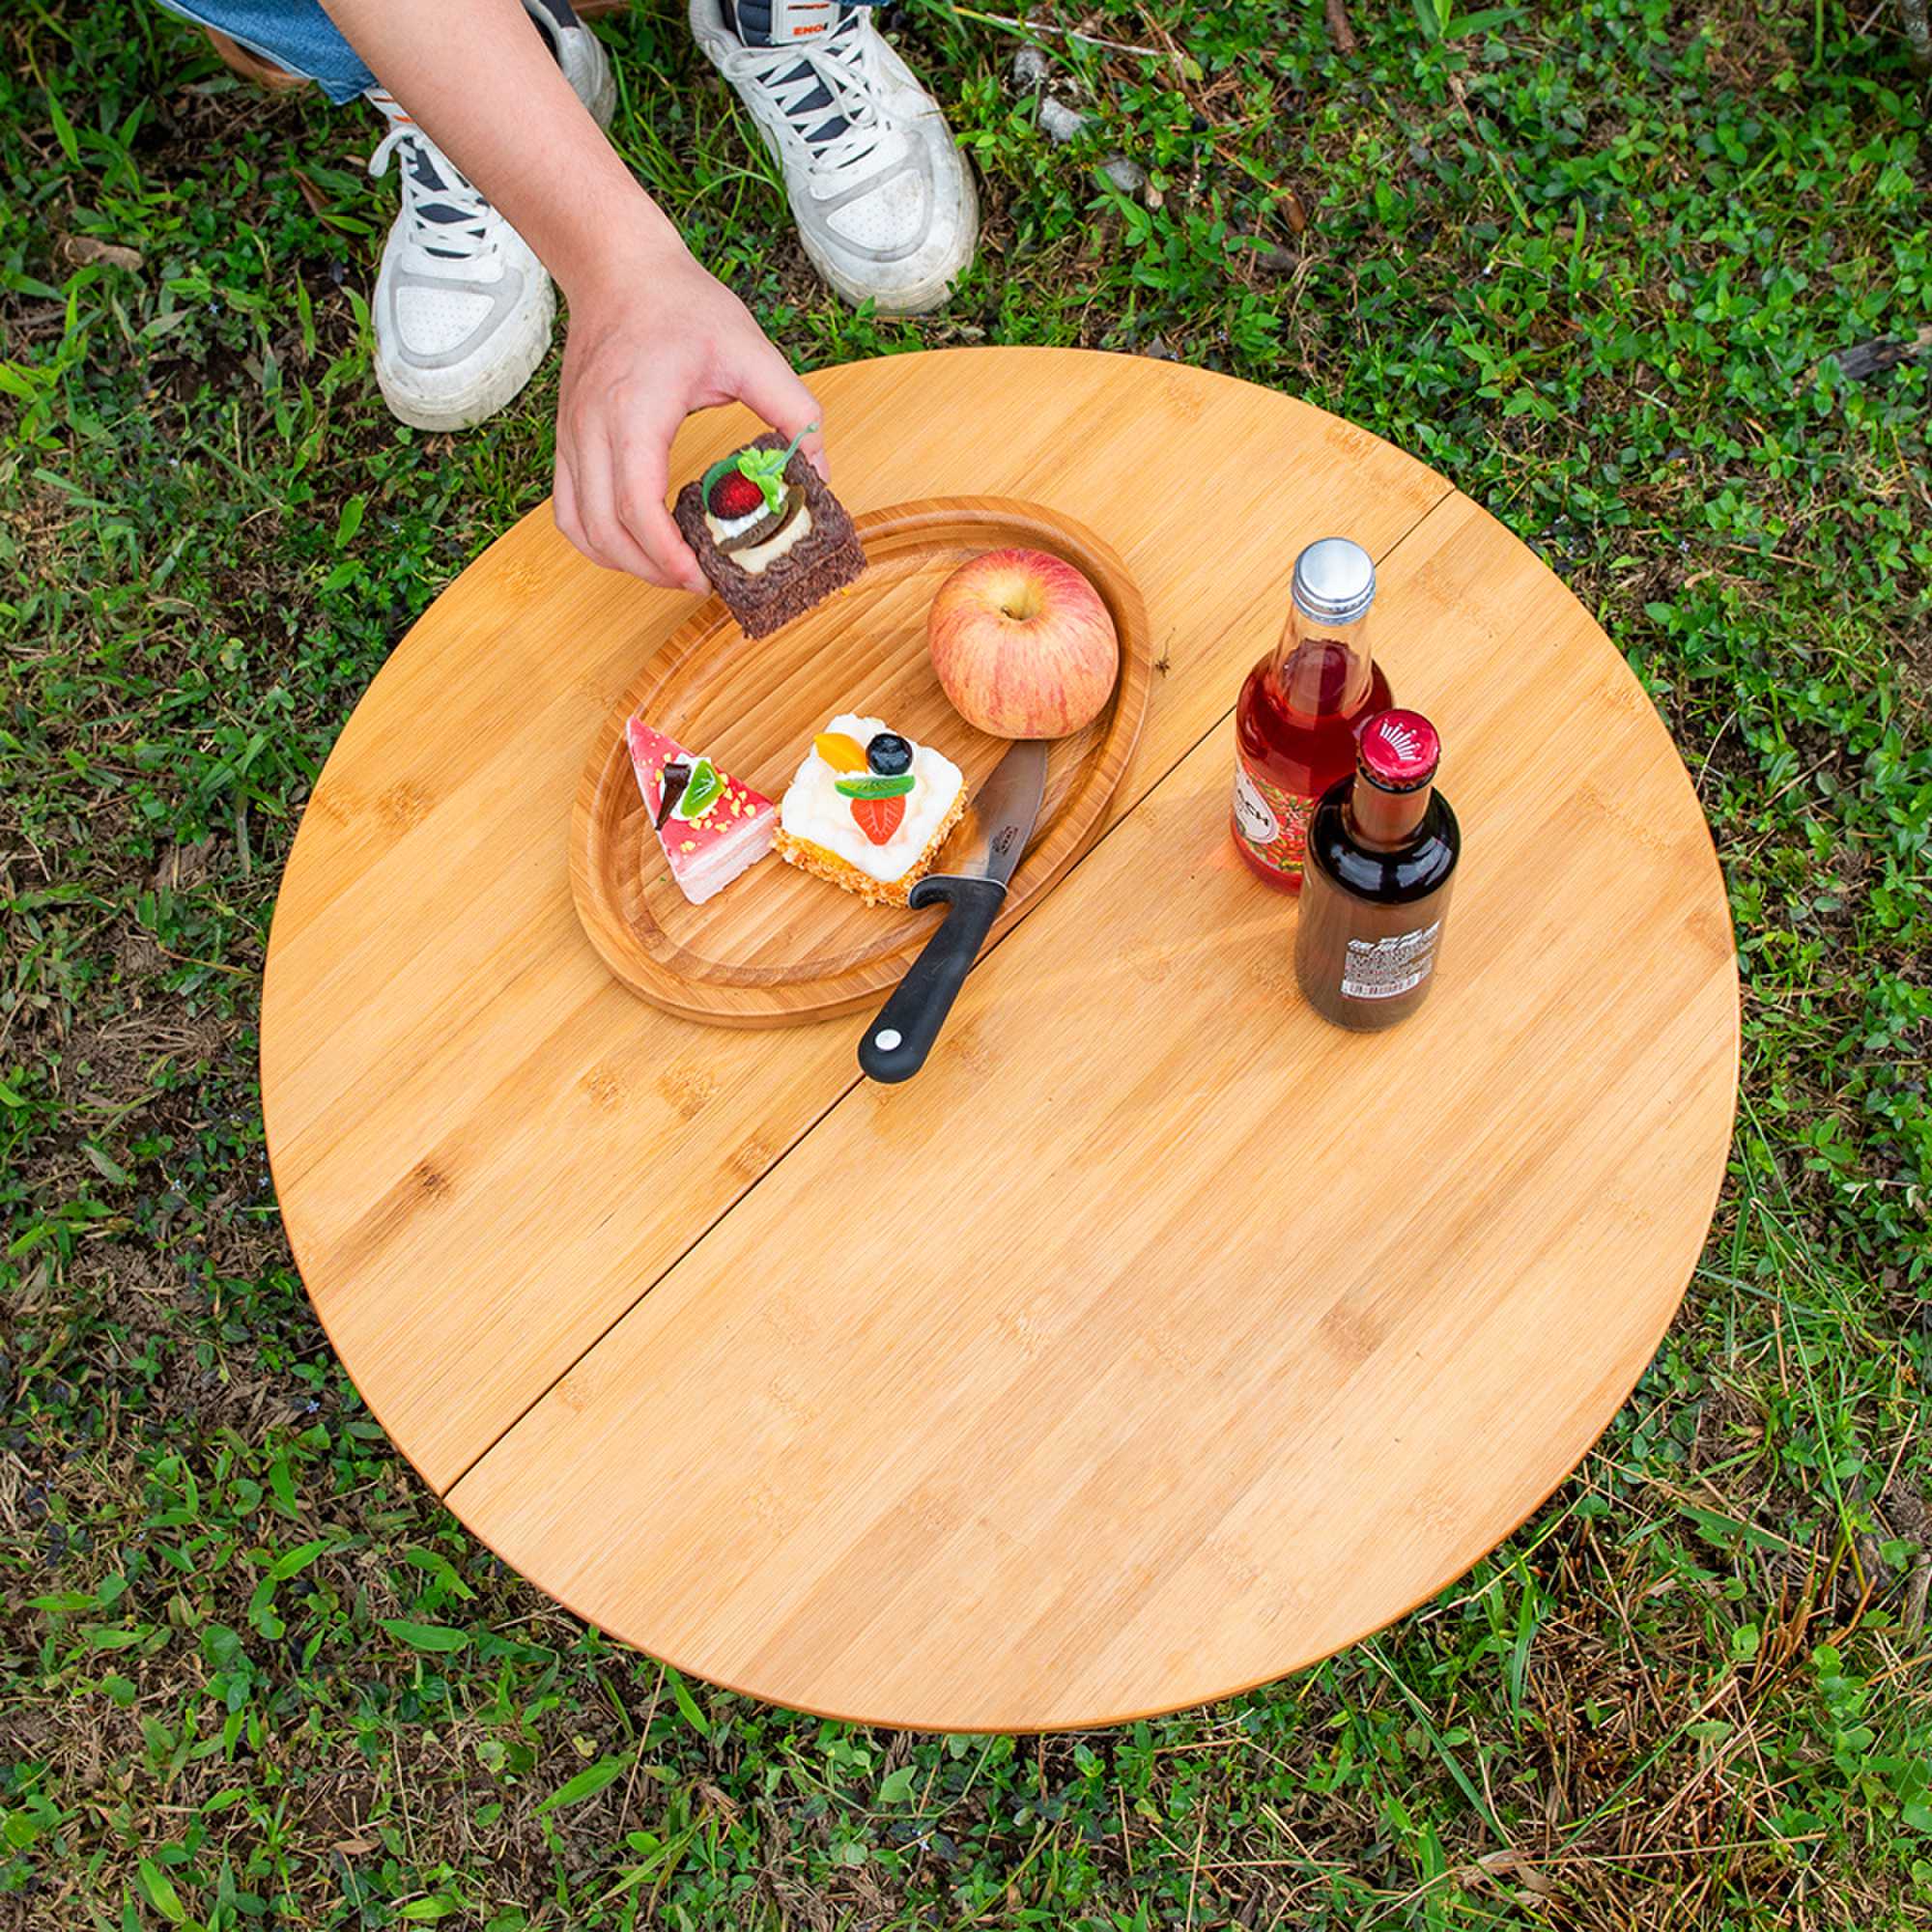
1384 969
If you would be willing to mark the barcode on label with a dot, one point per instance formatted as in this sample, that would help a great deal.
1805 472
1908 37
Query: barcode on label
1373 989
1383 969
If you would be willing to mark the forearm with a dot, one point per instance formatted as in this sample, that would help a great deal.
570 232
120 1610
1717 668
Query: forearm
480 82
652 335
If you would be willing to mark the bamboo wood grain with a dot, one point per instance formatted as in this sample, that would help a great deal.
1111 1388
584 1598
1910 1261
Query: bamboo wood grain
1158 1337
1161 1338
781 947
484 1148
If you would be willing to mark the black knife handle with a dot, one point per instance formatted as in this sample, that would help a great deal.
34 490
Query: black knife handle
896 1044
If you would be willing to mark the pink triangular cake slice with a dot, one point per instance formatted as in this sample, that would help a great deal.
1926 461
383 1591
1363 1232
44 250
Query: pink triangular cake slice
727 837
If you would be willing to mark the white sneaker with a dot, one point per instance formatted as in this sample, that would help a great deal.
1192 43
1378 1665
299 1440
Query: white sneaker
462 307
579 53
883 198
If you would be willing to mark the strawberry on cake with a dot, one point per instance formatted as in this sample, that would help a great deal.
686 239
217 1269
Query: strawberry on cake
869 810
711 827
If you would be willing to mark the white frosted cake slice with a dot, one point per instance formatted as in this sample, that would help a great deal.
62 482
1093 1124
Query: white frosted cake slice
869 810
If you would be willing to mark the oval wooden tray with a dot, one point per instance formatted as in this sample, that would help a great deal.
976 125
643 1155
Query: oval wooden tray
777 945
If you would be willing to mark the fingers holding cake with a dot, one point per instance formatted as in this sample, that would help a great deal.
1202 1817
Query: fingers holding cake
643 353
618 532
612 469
641 467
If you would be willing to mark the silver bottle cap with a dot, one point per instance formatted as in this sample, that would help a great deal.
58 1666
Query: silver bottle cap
1334 581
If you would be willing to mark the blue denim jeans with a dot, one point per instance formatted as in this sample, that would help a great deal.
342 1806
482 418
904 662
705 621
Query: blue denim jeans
294 34
298 37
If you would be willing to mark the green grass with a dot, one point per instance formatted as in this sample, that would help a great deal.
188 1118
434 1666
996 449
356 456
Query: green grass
1594 262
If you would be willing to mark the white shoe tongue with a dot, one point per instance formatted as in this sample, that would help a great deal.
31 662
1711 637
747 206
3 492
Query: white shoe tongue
819 97
780 24
801 111
424 172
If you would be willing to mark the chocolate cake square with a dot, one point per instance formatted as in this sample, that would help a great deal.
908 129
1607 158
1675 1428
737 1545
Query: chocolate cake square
765 580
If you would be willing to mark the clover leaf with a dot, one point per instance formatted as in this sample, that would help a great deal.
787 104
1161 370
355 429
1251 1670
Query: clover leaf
766 468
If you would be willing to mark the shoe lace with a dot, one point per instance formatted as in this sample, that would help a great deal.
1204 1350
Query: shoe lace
447 216
826 90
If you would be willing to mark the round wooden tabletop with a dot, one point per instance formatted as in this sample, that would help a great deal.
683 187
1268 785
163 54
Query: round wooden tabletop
1158 1338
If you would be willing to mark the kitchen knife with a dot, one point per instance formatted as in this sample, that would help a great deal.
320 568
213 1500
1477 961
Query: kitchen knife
1002 819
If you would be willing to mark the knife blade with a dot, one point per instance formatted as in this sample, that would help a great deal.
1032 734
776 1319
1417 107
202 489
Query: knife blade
1001 821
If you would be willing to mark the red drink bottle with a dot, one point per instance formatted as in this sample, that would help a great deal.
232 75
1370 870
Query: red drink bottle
1302 708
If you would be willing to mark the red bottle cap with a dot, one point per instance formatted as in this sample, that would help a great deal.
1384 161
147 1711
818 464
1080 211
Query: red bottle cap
1397 751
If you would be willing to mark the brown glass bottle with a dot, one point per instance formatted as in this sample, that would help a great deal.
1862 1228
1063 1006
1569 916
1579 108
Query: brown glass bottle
1382 847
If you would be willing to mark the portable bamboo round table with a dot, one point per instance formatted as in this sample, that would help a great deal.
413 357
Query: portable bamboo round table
1158 1337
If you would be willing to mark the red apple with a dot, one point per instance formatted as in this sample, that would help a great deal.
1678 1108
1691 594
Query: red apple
1023 644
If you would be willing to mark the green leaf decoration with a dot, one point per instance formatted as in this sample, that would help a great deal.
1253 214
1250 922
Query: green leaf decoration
894 786
766 469
703 790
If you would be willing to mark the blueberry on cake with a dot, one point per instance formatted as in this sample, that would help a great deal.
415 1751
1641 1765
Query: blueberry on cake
770 534
869 810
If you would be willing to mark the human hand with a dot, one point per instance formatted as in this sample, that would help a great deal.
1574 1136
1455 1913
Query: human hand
644 350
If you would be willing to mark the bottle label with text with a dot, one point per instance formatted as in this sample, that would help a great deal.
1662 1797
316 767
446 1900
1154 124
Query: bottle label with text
1273 822
1383 969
